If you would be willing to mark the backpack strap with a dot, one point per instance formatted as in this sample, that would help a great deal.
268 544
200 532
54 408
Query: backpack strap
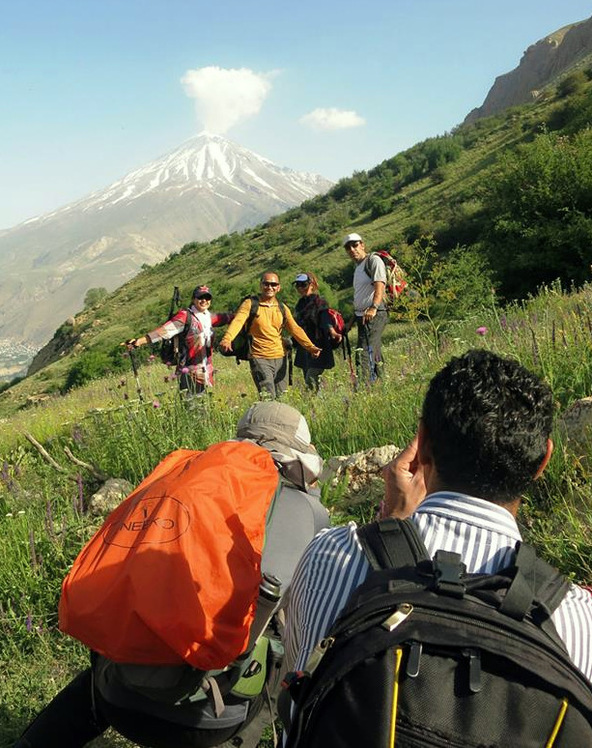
252 312
282 307
537 588
391 543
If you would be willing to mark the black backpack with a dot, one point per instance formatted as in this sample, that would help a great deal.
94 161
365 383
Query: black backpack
241 345
424 655
173 350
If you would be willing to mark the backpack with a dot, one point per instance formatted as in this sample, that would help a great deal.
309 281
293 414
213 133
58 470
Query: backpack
171 349
425 655
241 345
338 324
153 586
395 277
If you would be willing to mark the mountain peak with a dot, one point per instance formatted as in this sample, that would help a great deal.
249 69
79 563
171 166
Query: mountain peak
205 187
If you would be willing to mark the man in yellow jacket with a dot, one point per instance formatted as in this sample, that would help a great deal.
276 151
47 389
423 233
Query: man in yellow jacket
268 360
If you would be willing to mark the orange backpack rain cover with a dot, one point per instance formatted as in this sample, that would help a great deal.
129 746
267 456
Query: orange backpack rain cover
173 574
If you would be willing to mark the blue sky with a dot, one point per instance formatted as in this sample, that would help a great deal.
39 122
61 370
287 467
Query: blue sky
91 89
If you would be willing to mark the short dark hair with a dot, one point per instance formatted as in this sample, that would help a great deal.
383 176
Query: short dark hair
268 272
487 420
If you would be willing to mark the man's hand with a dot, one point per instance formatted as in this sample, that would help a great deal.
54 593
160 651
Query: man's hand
315 352
369 314
225 345
404 484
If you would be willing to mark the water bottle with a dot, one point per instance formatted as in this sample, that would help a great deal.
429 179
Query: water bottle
270 587
270 593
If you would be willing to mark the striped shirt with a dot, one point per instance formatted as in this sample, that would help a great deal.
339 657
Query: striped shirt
484 534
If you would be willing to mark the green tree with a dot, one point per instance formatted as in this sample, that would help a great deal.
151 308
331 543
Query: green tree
94 296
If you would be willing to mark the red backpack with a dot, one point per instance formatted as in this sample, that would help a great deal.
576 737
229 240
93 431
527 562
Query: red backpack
338 323
395 277
173 574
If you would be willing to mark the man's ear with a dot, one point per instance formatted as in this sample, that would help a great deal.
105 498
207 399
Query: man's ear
426 459
424 447
545 459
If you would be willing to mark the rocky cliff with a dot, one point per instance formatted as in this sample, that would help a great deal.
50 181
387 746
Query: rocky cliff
540 65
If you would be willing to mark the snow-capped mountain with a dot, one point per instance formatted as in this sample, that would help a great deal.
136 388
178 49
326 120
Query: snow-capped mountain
206 187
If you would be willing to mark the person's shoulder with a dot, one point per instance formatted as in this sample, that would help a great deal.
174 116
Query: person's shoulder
333 540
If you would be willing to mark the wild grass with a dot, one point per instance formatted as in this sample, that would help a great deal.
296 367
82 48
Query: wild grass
43 511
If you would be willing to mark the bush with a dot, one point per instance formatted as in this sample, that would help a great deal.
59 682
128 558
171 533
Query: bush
95 296
572 83
539 213
90 365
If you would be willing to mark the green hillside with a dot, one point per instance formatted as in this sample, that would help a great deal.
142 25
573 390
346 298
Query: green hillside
504 201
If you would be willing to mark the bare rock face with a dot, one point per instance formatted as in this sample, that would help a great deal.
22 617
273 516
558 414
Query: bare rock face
109 496
541 64
362 470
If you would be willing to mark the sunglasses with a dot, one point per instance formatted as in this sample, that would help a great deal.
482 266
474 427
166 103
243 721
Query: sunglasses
301 284
352 245
271 284
204 298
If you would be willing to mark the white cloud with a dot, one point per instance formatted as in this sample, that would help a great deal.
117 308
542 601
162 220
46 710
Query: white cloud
225 96
332 119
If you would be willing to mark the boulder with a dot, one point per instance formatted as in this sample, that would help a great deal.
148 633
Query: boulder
109 496
575 425
362 471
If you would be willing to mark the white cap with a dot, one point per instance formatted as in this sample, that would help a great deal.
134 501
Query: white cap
301 278
352 238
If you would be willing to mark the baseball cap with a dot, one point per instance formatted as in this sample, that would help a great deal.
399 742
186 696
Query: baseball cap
352 238
202 292
302 278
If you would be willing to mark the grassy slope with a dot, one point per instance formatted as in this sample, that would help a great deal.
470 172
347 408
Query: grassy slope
303 238
550 336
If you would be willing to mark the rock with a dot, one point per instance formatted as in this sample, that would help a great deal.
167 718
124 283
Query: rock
109 496
362 470
575 424
36 399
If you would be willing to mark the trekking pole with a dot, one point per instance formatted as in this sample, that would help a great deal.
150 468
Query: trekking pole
290 368
130 350
352 372
372 367
175 301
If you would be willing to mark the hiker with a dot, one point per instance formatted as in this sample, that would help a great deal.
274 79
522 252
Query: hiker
312 314
483 437
369 308
268 358
276 439
194 326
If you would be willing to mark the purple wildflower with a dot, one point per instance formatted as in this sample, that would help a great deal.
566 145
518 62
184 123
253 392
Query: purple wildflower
29 623
481 330
34 562
80 493
49 520
185 370
155 404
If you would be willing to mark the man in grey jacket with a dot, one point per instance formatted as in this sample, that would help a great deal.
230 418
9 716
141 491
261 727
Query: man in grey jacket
369 307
